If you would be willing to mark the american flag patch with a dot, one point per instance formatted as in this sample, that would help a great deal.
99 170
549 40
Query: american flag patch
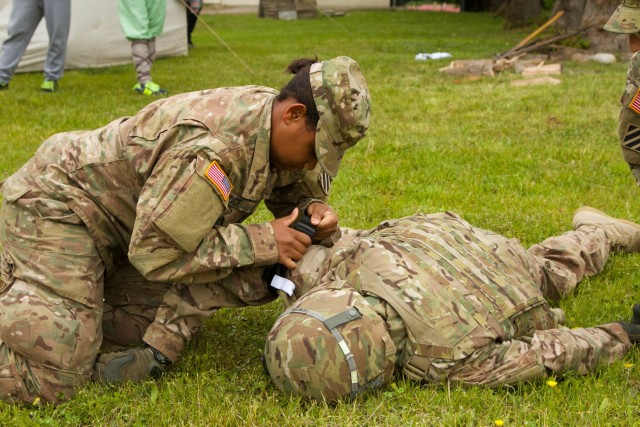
216 175
635 102
631 138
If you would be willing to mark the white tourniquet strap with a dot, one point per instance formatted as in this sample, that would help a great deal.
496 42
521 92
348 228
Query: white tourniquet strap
283 284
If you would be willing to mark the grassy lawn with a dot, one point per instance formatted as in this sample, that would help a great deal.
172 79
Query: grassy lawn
518 161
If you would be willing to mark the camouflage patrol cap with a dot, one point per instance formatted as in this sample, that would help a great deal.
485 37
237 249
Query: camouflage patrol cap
328 345
626 18
342 98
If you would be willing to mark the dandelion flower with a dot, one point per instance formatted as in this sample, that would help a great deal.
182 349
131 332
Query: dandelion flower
628 365
36 401
552 383
499 423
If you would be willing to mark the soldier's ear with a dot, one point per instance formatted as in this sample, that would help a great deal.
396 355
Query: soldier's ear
294 112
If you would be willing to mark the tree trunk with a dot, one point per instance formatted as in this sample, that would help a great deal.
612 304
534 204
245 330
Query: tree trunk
592 14
520 12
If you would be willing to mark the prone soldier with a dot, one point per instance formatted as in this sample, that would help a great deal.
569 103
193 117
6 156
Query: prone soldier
439 299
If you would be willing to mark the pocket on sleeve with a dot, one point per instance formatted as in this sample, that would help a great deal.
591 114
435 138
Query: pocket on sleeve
188 219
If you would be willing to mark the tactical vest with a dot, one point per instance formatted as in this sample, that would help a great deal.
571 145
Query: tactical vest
451 290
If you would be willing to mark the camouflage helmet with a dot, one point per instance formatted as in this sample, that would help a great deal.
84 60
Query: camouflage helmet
626 18
341 96
328 345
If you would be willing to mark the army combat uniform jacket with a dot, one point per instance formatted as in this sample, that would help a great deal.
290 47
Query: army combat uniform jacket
466 304
629 123
164 190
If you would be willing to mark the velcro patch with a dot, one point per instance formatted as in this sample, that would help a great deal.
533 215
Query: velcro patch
216 175
635 102
325 182
631 139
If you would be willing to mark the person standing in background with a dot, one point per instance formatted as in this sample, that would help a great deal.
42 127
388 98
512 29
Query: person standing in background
25 17
141 22
194 7
626 20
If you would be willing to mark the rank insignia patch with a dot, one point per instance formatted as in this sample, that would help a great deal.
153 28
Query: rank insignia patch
635 102
631 139
325 182
216 175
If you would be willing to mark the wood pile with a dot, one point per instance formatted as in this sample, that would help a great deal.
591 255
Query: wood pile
288 9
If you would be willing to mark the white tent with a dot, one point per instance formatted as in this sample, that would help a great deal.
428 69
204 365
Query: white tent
95 39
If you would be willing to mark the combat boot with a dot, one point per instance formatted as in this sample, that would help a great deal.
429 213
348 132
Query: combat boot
632 330
624 235
134 364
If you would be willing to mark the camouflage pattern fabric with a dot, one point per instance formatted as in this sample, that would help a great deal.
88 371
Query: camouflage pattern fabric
342 98
55 280
137 191
629 121
314 332
625 19
466 304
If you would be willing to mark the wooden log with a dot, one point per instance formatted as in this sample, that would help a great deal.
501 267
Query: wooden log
542 70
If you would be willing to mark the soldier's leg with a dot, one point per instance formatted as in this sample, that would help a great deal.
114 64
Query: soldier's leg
550 351
163 316
138 314
131 304
48 344
51 304
563 261
185 307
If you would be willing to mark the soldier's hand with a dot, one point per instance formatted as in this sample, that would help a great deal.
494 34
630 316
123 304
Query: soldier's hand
292 244
324 219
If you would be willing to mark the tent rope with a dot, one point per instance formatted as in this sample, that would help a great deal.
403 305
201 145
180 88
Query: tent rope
185 3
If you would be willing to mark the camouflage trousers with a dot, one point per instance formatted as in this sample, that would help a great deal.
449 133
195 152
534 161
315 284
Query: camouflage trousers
557 265
552 351
57 310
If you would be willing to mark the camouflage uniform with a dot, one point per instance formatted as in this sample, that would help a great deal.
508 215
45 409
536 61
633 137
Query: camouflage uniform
626 20
460 303
142 213
629 121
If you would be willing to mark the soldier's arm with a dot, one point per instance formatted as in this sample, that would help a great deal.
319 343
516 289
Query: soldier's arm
175 236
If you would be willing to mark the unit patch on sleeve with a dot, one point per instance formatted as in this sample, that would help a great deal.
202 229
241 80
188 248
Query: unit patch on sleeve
216 175
325 182
635 102
631 139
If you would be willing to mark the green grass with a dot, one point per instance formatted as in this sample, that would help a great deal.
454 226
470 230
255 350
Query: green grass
515 160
